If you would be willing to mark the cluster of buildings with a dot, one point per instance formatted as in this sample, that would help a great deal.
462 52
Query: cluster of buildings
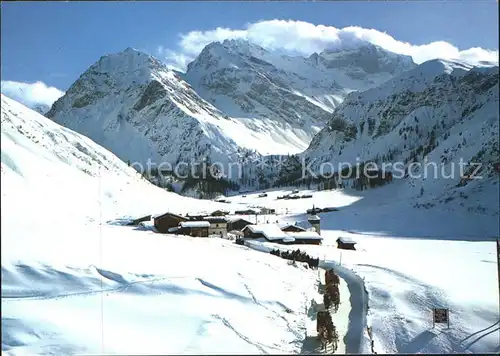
220 224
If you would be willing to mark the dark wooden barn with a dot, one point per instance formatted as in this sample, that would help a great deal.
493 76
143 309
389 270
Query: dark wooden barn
166 221
345 243
249 232
238 224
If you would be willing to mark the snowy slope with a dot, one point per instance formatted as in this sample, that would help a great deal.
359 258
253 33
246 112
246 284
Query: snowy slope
73 284
439 113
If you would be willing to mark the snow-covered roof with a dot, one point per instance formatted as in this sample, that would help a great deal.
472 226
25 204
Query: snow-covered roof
305 235
270 231
346 240
215 218
288 239
158 215
313 217
284 225
195 224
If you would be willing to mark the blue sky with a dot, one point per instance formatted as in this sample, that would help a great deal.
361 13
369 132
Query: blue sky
55 42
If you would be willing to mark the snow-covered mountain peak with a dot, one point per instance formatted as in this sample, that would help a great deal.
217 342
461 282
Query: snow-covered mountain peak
235 53
132 50
414 80
444 110
368 57
132 104
361 47
125 68
439 66
243 46
247 81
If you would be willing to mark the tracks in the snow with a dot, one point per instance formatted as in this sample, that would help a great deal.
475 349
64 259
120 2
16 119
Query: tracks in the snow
123 285
478 335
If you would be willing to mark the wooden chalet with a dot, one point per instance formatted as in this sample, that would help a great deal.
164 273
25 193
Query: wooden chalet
346 243
166 221
238 224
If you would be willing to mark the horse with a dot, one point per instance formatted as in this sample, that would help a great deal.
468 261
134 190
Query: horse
323 337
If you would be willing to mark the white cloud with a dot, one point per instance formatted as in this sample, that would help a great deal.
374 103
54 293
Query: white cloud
31 94
304 38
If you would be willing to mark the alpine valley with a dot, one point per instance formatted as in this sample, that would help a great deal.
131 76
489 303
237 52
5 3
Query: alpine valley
248 108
